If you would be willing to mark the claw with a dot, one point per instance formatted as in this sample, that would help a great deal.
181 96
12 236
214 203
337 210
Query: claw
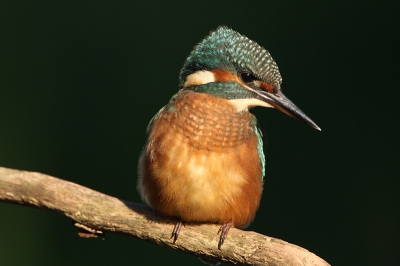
224 229
175 232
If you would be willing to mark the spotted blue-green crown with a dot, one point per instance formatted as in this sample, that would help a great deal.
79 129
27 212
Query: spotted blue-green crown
227 49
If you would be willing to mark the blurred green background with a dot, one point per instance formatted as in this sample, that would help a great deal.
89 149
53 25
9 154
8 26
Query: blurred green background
79 81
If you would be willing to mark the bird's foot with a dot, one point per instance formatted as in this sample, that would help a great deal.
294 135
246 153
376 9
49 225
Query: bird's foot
224 229
177 229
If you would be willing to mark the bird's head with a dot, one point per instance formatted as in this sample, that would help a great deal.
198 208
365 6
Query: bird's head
228 65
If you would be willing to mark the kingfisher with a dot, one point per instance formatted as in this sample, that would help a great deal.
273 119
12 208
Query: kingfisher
203 161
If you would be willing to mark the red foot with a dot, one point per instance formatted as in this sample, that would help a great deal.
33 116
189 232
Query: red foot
224 229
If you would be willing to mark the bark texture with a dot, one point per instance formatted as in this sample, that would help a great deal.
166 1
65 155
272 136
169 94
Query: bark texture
99 213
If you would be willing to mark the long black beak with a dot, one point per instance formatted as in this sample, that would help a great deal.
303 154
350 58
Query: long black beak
282 103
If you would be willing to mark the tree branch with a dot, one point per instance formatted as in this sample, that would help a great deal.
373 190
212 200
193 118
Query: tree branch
101 212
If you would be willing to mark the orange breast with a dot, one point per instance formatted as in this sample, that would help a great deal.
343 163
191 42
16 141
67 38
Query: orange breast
201 162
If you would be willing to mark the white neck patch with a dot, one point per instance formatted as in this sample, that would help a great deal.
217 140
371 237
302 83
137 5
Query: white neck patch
199 78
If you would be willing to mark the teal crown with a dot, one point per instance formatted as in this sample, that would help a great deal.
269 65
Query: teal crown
227 49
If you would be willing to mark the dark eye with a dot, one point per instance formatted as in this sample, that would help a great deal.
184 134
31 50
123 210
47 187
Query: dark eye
247 77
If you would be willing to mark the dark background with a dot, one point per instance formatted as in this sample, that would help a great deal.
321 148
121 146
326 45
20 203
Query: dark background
80 81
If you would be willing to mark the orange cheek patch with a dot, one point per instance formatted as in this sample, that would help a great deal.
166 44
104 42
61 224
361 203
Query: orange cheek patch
224 75
266 87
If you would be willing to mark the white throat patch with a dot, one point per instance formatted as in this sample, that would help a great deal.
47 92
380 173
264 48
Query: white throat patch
246 104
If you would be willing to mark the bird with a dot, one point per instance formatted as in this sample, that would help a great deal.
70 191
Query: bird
203 161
